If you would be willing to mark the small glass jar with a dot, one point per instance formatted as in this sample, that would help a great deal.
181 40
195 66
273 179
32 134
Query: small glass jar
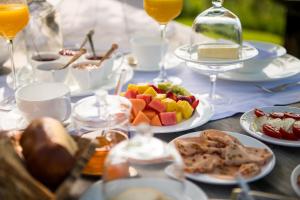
104 118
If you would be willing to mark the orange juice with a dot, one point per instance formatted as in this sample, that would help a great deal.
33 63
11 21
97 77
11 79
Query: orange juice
163 11
13 18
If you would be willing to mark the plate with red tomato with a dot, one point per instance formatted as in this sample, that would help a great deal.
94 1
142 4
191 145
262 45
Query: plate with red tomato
275 124
166 107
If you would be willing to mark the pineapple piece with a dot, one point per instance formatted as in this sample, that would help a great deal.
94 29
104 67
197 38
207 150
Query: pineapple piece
179 117
185 108
151 91
170 104
160 96
142 88
132 87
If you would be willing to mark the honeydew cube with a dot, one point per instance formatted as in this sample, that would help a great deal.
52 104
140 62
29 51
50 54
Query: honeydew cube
142 88
132 87
151 91
185 108
179 117
160 96
218 51
170 104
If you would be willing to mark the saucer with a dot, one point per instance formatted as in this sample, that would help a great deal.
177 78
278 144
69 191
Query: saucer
171 61
279 68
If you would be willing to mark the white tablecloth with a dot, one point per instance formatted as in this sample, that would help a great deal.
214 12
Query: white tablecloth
107 18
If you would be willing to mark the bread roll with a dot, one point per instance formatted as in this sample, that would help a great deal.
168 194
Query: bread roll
49 151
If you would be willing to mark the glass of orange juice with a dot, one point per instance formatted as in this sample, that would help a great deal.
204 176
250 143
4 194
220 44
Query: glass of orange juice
14 16
163 11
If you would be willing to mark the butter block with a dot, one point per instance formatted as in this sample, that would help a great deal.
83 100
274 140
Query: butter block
218 51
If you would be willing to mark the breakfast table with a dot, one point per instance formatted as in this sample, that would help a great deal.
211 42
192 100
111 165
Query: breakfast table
244 95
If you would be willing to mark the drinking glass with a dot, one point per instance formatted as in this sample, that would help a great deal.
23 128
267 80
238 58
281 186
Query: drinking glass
14 16
163 11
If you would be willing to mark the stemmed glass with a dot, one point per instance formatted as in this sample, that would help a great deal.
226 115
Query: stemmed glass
163 11
14 16
216 46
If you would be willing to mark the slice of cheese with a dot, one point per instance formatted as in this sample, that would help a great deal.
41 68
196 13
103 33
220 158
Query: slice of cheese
218 51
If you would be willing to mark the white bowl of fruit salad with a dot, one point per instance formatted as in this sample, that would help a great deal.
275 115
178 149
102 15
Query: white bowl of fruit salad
276 124
166 107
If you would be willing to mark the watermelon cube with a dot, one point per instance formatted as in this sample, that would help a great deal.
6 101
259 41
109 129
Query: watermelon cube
170 104
131 94
168 118
157 105
147 98
185 108
150 91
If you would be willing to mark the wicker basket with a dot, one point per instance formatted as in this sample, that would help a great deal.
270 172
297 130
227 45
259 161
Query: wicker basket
17 183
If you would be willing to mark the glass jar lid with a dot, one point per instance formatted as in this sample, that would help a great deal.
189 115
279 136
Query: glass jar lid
101 111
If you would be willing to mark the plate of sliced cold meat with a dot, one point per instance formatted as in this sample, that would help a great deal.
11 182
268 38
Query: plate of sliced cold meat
166 107
219 157
275 124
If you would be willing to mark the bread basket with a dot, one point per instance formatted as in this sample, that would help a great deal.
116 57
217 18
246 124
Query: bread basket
17 183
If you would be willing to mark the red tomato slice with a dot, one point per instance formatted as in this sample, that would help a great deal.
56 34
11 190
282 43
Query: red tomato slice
292 115
271 131
277 115
258 112
296 130
286 135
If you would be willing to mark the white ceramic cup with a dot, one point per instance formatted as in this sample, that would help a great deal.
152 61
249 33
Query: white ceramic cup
44 57
44 100
147 51
90 78
51 72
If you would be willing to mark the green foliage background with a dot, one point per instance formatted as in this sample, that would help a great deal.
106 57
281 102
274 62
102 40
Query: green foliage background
261 19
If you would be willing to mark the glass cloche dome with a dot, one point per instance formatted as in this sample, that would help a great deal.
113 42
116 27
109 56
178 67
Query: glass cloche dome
217 25
143 167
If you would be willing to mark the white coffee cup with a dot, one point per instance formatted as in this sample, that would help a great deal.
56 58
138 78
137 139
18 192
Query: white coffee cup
147 51
44 57
44 100
51 72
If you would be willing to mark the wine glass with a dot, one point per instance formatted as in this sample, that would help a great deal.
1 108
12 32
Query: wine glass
143 166
163 11
14 16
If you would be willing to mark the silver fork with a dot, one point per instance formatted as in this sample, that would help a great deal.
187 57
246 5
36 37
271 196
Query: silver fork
278 88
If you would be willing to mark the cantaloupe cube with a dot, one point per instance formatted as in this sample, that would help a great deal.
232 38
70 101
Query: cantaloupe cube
151 91
160 96
142 88
179 117
140 118
155 121
132 87
137 105
149 113
185 108
170 104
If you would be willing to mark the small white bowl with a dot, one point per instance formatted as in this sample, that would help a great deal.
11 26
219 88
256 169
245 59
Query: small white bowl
51 72
90 78
294 176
